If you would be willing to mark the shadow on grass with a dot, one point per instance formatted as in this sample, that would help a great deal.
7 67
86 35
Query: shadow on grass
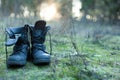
15 66
21 66
42 64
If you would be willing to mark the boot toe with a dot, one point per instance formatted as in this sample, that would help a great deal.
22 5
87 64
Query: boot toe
41 57
16 60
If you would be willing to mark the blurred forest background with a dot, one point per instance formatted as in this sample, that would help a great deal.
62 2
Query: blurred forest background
93 10
85 38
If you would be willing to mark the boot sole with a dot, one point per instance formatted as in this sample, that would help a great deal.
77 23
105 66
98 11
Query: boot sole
18 63
41 61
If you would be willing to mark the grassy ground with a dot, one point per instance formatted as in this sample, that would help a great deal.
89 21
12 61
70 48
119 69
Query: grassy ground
96 60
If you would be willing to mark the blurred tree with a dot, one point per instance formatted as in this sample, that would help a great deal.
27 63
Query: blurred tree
32 5
10 6
14 6
102 10
65 7
88 6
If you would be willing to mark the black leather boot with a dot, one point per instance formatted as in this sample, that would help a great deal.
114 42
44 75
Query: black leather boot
40 56
18 36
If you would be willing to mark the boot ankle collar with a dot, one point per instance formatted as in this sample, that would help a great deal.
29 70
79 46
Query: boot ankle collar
14 34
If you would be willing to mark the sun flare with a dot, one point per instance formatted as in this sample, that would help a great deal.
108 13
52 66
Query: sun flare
49 11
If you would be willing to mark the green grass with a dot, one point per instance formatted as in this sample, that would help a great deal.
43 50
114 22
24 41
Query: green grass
99 61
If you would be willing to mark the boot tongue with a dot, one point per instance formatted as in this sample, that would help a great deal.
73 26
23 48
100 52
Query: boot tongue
39 32
40 25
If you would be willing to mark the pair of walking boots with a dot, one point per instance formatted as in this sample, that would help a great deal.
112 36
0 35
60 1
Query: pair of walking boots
22 38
